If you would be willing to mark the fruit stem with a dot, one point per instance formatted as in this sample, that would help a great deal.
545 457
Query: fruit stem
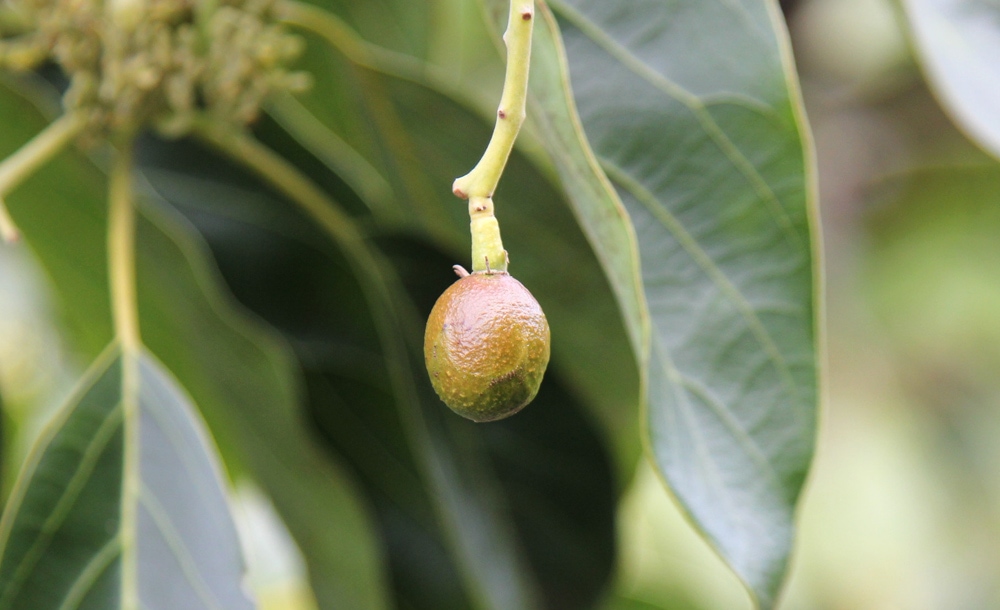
478 185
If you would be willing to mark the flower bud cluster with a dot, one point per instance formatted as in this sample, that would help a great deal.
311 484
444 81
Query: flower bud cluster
132 63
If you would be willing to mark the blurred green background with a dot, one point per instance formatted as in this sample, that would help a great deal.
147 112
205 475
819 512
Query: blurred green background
902 510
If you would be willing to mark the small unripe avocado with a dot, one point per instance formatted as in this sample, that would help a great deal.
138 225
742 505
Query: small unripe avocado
486 346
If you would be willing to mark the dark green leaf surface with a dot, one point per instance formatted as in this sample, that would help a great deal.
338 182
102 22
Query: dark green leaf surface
400 25
452 497
443 495
691 112
251 381
94 522
432 139
958 42
241 377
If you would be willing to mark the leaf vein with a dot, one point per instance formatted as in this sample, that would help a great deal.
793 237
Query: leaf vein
175 437
90 573
693 103
86 466
703 260
675 377
163 522
729 420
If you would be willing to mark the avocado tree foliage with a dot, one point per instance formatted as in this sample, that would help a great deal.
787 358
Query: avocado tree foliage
246 210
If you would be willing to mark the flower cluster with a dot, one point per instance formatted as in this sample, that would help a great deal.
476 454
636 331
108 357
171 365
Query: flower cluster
132 63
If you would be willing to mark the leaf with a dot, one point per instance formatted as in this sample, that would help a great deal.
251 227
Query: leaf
252 382
241 376
691 111
401 25
957 42
419 138
452 508
552 474
450 498
560 495
122 503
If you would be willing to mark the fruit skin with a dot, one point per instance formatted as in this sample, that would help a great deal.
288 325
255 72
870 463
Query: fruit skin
486 346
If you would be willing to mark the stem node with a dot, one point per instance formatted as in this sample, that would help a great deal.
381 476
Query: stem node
479 185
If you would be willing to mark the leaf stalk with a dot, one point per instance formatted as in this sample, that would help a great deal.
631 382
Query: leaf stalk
121 251
16 168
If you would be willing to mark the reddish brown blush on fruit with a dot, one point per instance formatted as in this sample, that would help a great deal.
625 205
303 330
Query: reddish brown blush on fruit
486 346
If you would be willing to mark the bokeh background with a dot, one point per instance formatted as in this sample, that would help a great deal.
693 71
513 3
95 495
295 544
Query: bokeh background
902 510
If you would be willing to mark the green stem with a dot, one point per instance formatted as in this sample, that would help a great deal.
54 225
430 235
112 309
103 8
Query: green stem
479 185
121 251
483 179
125 312
27 159
301 191
291 182
417 208
336 154
327 25
347 41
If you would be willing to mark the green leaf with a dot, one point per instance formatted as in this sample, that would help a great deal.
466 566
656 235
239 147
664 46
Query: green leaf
400 25
957 43
691 111
451 496
252 383
419 137
453 507
241 376
122 503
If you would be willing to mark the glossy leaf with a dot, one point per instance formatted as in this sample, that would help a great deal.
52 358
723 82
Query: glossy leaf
453 507
706 154
419 138
241 377
450 497
957 43
122 503
400 25
252 382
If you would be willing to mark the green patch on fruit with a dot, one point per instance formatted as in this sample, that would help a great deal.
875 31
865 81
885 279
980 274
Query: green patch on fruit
486 346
